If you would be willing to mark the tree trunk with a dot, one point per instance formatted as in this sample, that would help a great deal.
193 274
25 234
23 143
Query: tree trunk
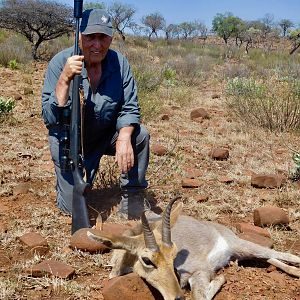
295 48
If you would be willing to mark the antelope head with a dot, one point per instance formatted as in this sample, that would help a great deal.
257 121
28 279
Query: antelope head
154 253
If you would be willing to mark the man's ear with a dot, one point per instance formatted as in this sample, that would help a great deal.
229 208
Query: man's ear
112 241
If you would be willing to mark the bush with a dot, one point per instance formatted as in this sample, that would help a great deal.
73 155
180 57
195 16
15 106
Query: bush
14 48
273 104
6 107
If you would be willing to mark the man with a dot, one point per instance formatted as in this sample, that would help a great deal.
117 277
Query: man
111 115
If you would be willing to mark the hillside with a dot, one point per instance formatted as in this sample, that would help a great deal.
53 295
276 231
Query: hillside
223 191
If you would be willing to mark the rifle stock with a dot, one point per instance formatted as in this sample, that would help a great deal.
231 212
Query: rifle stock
80 218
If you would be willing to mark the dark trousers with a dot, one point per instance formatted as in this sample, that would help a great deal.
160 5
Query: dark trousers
134 179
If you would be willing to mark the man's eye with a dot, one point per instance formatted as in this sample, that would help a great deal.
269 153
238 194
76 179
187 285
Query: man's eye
148 262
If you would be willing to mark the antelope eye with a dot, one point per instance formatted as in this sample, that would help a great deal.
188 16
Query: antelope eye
148 262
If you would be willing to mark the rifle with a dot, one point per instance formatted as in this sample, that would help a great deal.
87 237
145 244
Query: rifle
80 218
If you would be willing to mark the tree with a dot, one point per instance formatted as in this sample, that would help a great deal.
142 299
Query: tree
122 17
37 20
226 26
285 25
294 35
268 21
154 22
91 5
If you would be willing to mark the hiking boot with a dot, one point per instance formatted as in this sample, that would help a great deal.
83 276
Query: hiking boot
133 204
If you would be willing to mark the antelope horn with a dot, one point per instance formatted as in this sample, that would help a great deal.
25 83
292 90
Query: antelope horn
166 227
149 238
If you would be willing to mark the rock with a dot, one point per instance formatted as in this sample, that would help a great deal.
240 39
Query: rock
199 113
34 243
190 183
226 180
249 228
219 154
80 241
51 268
17 97
165 117
127 287
271 181
159 150
28 91
257 239
215 96
270 215
21 188
201 198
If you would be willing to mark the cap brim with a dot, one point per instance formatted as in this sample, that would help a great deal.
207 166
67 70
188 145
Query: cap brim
98 29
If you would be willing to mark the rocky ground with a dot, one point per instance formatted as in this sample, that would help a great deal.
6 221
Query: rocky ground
184 160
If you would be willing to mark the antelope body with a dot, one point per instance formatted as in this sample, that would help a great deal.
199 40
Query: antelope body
194 249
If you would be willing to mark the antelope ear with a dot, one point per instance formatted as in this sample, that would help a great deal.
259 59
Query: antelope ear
115 242
175 213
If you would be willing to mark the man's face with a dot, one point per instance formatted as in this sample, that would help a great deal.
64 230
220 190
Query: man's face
95 46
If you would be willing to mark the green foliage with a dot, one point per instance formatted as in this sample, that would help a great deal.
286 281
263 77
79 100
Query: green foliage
273 104
296 174
227 25
95 4
6 107
12 64
169 76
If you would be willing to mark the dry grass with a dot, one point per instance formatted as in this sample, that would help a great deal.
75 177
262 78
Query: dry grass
25 155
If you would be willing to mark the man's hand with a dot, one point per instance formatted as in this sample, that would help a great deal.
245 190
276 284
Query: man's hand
72 67
124 150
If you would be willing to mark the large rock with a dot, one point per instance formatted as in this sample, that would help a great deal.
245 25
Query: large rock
127 287
271 181
257 239
81 241
51 268
249 228
34 243
270 215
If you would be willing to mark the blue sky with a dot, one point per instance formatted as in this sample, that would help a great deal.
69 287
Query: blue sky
177 11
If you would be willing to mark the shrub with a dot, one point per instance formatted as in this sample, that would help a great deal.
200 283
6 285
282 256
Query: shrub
6 107
14 48
13 64
273 104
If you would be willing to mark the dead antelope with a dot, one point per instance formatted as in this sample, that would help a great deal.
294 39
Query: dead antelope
194 249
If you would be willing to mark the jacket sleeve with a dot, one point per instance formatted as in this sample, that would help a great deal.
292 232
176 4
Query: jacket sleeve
50 109
130 110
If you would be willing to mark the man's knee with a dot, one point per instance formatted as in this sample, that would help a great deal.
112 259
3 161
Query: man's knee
142 136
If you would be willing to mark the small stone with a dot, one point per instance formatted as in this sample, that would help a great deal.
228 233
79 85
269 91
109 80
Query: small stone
159 150
219 154
190 183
